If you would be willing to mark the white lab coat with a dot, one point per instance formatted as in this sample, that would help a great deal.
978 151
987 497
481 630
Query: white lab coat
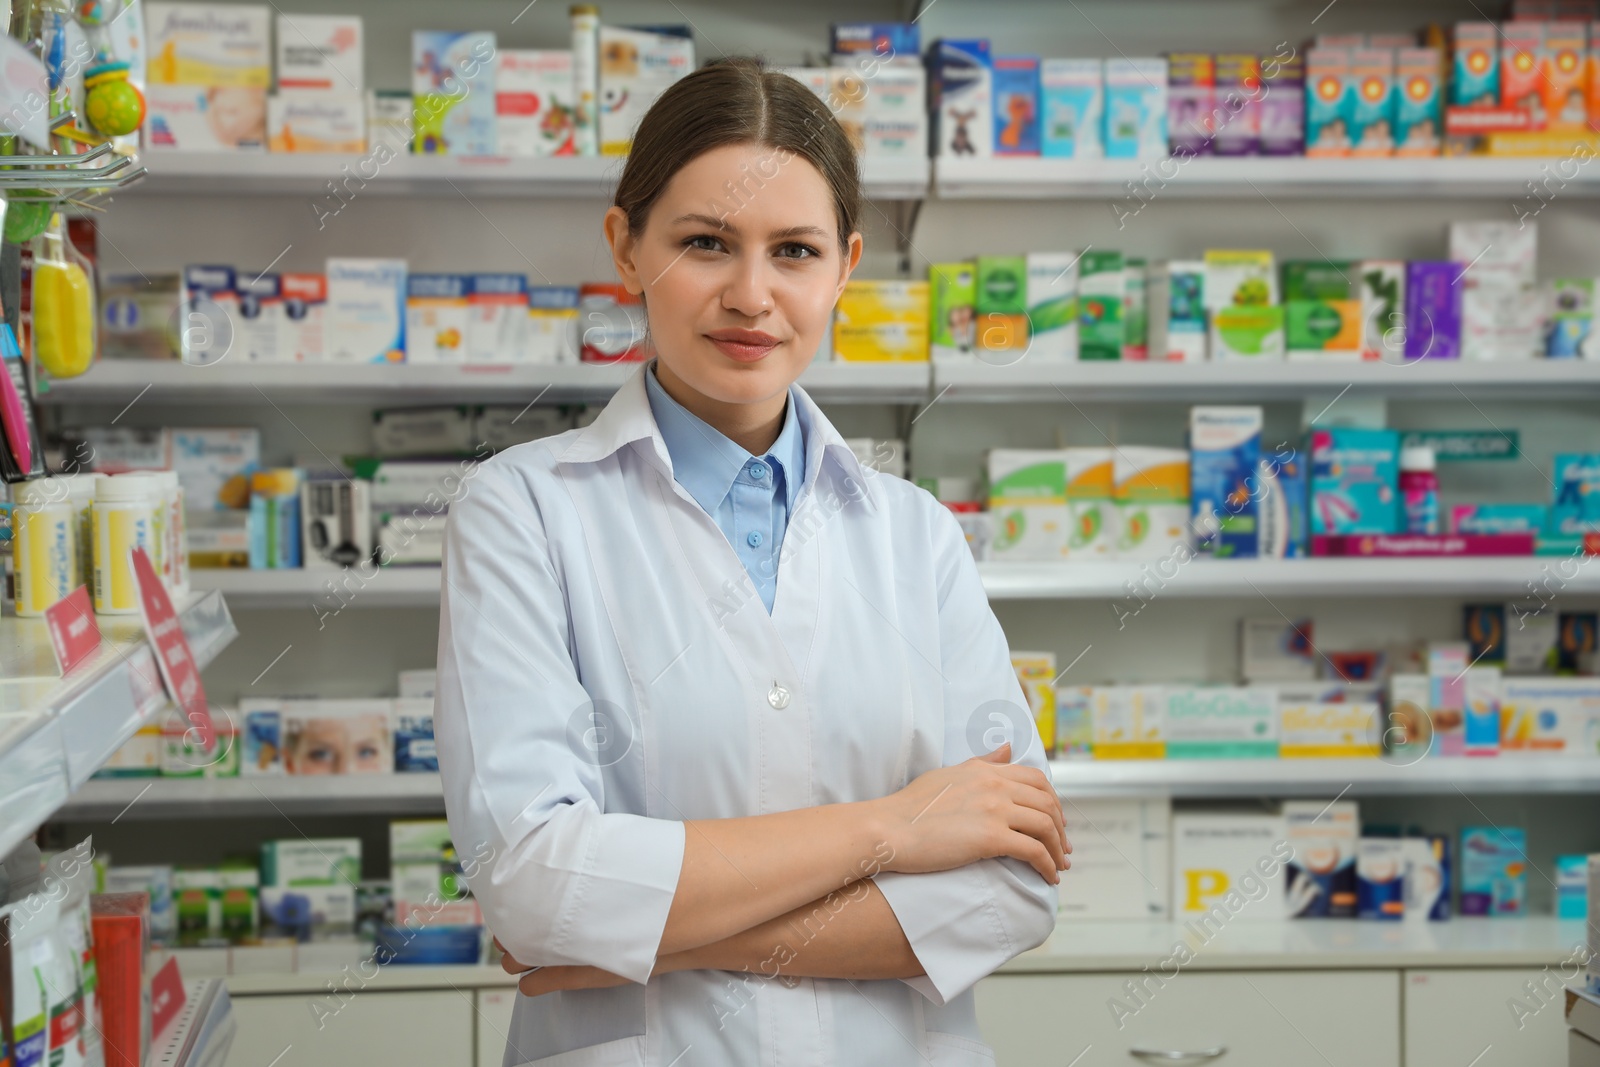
607 671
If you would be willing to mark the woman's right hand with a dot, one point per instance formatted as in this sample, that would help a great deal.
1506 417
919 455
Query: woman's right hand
980 809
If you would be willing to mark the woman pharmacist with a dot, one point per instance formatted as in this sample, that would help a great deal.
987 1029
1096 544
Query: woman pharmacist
716 703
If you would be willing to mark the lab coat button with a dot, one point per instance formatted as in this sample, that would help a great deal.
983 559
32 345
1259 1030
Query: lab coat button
778 697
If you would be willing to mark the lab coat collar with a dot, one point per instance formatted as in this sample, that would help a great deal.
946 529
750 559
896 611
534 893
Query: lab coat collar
628 418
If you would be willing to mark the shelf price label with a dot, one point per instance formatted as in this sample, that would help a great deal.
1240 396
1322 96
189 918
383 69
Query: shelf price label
74 634
166 996
176 662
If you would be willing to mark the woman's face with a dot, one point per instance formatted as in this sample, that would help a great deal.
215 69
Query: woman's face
740 266
339 746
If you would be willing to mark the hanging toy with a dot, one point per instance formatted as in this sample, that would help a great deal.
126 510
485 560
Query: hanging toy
113 105
63 304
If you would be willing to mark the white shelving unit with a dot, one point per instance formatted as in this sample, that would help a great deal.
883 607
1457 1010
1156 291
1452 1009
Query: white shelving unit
1038 381
1243 178
309 174
55 732
1490 576
161 798
202 1033
171 382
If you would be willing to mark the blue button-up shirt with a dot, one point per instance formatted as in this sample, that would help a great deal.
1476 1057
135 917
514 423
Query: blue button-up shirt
749 497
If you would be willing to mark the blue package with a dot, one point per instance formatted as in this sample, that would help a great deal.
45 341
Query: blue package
414 748
1224 472
1572 887
552 297
262 738
1380 879
1355 481
430 944
1072 102
1016 105
1494 871
882 40
1136 109
438 286
1498 518
1427 875
961 90
1577 485
1282 504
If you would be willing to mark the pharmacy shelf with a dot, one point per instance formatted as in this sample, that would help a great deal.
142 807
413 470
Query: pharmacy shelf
203 1031
422 794
1079 382
394 587
119 382
125 799
1330 778
335 179
1253 178
56 731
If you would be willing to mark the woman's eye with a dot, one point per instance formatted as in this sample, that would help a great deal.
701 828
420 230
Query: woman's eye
704 243
797 251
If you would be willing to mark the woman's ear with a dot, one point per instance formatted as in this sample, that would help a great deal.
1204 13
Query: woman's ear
849 261
620 238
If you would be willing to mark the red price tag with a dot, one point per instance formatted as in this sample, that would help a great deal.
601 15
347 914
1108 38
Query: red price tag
166 996
73 632
178 668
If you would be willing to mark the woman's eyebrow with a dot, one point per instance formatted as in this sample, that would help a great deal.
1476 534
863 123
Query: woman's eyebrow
786 234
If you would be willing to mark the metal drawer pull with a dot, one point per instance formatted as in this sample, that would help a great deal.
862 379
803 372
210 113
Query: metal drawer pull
1176 1055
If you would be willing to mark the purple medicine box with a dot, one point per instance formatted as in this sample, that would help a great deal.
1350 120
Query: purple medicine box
1191 101
1239 94
1283 106
1433 310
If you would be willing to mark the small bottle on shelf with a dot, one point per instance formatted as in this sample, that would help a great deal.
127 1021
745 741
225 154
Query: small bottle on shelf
1419 489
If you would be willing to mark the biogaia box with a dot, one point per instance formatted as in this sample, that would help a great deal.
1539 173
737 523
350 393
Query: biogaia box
1151 486
1028 499
1221 722
1091 502
1311 725
1129 721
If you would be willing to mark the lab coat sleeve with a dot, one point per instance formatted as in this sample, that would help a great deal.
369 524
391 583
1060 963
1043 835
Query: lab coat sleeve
560 880
964 923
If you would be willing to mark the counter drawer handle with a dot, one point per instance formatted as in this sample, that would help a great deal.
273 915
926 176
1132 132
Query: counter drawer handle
1177 1055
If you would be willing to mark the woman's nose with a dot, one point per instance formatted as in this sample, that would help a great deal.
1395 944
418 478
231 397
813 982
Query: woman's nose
749 291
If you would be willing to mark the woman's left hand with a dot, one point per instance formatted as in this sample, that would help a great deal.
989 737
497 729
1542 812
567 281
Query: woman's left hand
552 979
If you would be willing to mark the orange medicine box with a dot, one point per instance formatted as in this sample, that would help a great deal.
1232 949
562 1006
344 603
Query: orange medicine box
1520 48
1565 75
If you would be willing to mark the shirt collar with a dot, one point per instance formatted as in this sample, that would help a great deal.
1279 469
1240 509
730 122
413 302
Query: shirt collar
627 418
705 461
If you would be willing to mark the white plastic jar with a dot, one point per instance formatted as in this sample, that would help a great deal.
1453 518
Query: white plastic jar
124 518
44 536
80 494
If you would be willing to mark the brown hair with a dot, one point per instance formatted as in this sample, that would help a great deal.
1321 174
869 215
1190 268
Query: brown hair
730 102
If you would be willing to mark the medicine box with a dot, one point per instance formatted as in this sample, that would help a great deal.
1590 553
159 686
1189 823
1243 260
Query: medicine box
307 861
309 912
214 465
552 324
365 320
1176 300
1102 292
1329 90
1129 722
885 42
208 45
1427 873
336 522
636 67
1052 305
895 120
1136 108
1091 502
437 315
1221 722
1276 650
534 102
1522 41
414 748
1151 486
1028 499
139 315
1494 871
1531 643
1447 695
320 52
1283 108
1572 887
1239 278
1372 103
1135 310
1072 95
952 298
1239 95
1002 303
1322 309
202 118
452 86
961 89
1121 868
211 306
1498 518
1191 103
1226 866
1383 289
1074 721
255 333
1016 105
881 321
1569 319
1224 453
1550 715
1321 879
1475 67
1241 293
1355 476
1036 672
336 736
497 318
1418 102
1380 879
305 305
391 120
1484 627
1481 733
317 120
424 863
182 755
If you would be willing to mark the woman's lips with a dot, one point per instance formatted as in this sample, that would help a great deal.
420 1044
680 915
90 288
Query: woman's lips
746 346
